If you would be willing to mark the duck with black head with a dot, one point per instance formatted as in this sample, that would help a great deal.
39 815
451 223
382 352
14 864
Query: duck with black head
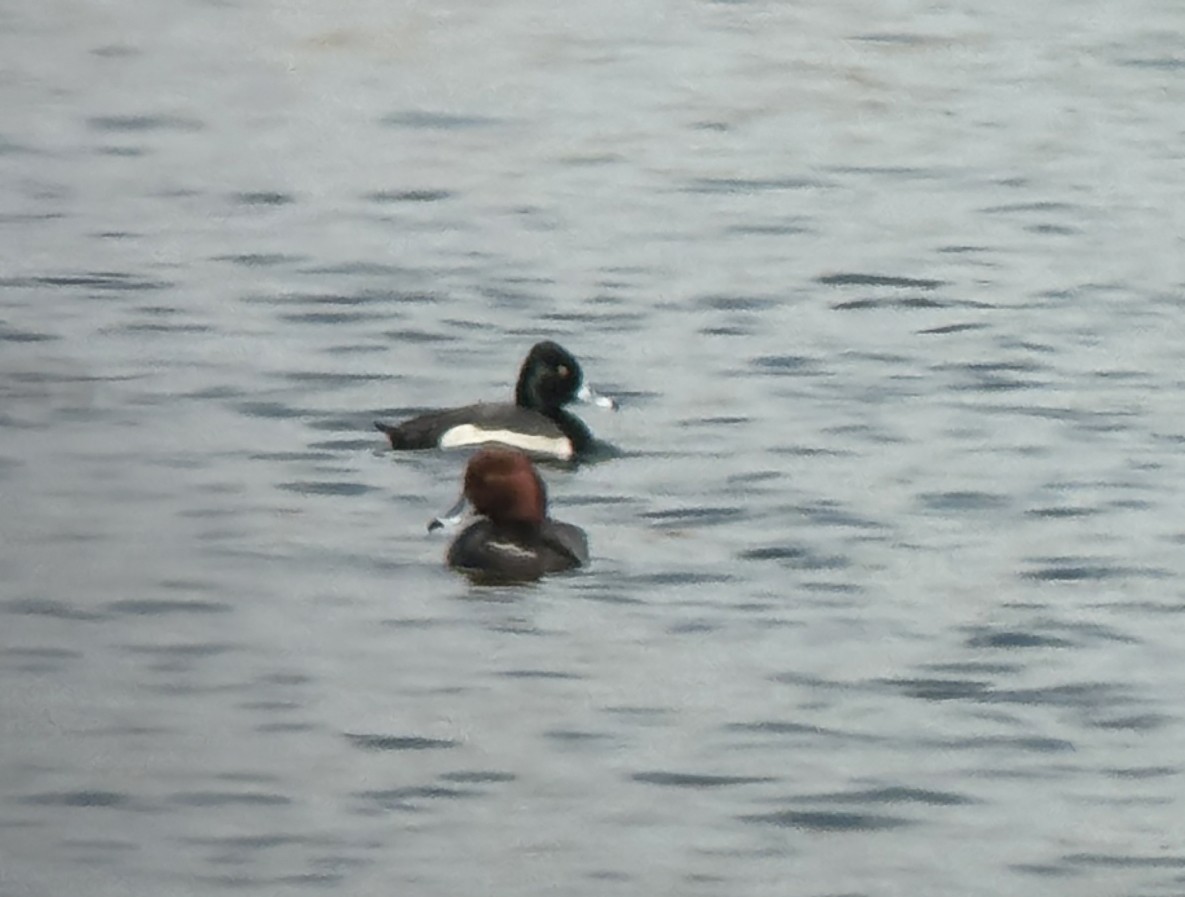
514 540
537 422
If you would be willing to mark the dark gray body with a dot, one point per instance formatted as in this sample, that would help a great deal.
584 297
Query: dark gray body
555 435
535 422
518 552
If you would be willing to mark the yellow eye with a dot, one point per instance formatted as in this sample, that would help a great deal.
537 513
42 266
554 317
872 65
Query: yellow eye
562 370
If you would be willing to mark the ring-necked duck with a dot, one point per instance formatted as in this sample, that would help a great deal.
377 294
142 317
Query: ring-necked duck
536 423
515 540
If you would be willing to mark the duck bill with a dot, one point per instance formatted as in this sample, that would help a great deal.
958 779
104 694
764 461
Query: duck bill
590 396
450 518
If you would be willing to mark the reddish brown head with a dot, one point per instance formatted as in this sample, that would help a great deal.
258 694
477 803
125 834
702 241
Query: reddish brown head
503 485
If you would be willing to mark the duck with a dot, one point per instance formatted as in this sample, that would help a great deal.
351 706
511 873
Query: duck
536 423
514 540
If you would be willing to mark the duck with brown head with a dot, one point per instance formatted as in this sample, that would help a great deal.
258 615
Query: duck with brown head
514 540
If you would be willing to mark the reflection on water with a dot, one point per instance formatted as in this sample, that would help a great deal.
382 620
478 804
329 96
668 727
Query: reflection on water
883 583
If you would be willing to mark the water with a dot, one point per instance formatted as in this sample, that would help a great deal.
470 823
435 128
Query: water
886 585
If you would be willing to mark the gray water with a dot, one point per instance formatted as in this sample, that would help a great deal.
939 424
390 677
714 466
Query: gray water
886 586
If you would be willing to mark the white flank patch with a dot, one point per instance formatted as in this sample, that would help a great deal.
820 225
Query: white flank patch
468 434
511 549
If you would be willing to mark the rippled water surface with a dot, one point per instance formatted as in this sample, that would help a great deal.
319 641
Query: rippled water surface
886 595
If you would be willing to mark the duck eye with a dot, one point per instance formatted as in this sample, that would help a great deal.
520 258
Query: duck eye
562 370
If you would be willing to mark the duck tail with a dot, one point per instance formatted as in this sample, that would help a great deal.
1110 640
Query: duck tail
392 433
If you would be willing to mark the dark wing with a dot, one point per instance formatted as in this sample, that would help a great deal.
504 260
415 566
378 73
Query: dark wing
490 555
426 430
565 546
516 418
